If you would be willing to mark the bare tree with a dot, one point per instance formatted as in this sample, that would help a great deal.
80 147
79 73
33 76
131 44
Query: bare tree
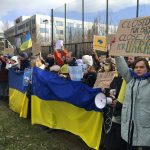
5 26
70 35
77 35
89 35
95 27
37 40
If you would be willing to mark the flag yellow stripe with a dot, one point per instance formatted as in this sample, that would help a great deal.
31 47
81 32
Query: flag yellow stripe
65 116
18 102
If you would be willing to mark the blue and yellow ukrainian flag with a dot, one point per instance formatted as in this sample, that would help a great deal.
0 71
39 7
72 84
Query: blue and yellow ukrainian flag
68 105
27 43
18 102
99 43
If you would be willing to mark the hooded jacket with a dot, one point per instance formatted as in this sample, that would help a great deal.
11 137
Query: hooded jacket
135 120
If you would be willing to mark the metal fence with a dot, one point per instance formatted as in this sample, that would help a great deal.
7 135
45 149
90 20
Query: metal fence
79 20
79 49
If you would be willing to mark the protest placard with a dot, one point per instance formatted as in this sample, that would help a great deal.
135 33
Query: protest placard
59 44
99 43
104 79
132 38
8 51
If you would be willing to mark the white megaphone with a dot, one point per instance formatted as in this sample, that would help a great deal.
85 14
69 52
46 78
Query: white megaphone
101 100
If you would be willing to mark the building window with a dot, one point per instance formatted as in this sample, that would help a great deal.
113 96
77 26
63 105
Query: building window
42 21
33 31
59 23
42 30
27 24
59 32
33 21
21 26
11 31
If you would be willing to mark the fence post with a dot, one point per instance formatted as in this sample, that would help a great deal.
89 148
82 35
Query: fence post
76 47
83 51
106 18
137 9
52 31
82 20
65 7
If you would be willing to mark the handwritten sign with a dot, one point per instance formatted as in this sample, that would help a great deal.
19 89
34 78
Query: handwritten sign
132 38
104 79
8 51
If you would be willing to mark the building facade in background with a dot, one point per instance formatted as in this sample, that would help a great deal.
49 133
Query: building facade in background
40 29
2 35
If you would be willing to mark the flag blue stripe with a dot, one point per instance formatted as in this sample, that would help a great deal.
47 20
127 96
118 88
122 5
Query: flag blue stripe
16 80
25 45
28 37
49 86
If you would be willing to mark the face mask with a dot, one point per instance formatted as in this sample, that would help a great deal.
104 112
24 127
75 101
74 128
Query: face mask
106 68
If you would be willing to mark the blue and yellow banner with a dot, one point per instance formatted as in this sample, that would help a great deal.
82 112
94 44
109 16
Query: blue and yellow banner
99 43
27 43
68 105
18 102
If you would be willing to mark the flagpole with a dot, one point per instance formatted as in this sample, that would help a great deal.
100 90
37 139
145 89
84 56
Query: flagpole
137 9
106 18
107 53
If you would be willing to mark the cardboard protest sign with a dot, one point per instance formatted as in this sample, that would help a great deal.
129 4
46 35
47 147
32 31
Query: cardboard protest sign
99 43
132 38
8 51
104 79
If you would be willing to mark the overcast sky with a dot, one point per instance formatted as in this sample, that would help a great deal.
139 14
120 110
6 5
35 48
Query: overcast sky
12 9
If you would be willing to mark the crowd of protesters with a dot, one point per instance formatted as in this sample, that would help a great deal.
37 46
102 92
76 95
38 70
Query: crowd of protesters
130 127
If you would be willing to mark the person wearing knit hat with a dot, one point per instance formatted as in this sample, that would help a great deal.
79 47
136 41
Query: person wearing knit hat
87 59
90 75
64 72
24 55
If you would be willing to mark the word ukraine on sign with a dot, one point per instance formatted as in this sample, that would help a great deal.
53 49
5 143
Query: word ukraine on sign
132 38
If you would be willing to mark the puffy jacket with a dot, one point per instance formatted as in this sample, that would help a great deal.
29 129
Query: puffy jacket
136 107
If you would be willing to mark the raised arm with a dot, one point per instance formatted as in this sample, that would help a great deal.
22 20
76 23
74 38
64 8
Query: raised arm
123 68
